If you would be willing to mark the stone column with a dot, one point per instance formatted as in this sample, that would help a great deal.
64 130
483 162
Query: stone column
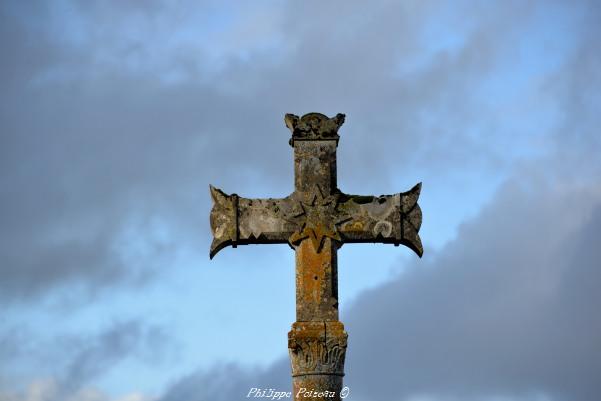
317 351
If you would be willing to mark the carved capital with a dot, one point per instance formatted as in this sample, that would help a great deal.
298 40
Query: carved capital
317 348
313 126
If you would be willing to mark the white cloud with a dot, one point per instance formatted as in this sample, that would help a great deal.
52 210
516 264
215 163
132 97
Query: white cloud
49 389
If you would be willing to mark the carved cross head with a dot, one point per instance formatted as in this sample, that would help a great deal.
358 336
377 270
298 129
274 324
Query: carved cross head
316 209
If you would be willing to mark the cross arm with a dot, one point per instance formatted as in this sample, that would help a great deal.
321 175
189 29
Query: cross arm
241 221
394 219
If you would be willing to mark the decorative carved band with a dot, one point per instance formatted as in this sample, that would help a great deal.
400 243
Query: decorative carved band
317 348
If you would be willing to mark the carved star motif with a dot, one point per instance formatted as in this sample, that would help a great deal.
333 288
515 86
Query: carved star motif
318 217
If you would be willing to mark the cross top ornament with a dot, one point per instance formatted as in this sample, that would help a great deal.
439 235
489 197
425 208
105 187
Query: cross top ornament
316 220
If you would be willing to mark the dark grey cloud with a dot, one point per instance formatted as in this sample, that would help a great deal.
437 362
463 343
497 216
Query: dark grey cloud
74 362
503 310
228 381
97 138
576 85
507 309
81 162
96 355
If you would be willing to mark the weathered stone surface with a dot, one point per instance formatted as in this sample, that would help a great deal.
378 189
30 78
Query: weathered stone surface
317 352
313 126
389 219
315 220
317 282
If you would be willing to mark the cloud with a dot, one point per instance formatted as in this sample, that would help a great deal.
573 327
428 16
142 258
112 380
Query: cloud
49 390
228 382
97 355
501 311
72 363
504 310
118 116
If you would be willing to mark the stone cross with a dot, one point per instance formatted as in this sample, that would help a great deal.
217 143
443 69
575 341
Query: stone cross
315 220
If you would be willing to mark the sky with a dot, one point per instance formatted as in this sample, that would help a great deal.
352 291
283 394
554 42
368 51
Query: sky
115 116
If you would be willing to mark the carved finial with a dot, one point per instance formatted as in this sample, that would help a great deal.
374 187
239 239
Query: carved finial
313 127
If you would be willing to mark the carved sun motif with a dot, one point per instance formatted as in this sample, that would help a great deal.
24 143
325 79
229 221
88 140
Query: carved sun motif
318 218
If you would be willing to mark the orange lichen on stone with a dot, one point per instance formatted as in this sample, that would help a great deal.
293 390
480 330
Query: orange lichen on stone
316 284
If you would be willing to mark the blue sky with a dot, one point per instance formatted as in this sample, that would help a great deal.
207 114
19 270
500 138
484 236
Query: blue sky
116 116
